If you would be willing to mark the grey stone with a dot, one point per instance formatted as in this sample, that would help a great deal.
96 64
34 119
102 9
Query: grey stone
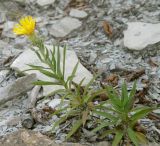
139 35
2 17
3 74
29 57
65 26
45 2
78 13
7 30
17 88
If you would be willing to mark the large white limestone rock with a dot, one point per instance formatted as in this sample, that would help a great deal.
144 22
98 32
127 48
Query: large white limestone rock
29 57
139 35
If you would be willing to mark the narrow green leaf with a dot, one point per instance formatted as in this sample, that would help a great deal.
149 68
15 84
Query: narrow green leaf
70 78
64 61
61 120
124 94
44 71
131 99
46 83
54 64
117 138
132 136
141 137
140 114
103 125
75 127
39 56
59 62
89 84
46 53
105 133
115 101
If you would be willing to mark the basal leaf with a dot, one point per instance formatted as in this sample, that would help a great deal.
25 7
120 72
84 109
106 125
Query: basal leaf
102 125
117 138
132 136
141 137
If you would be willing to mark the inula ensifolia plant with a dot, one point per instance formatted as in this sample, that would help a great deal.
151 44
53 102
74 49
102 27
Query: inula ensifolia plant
119 114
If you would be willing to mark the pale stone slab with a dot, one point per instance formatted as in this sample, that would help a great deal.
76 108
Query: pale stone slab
139 35
64 27
45 2
78 13
29 57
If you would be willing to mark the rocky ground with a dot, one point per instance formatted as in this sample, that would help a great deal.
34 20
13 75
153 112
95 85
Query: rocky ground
120 38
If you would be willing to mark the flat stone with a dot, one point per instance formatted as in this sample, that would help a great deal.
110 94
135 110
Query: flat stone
29 57
17 88
139 35
65 26
78 13
45 2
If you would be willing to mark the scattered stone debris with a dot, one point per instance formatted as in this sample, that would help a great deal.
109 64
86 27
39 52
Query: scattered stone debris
78 23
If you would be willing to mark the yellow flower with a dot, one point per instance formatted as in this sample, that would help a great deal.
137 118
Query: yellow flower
26 26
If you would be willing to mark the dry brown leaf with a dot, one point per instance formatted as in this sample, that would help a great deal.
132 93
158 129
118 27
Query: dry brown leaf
153 116
141 96
84 117
112 80
152 63
76 4
48 110
107 28
139 128
135 75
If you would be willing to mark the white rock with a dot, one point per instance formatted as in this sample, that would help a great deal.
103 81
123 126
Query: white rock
29 57
139 35
56 102
45 2
78 13
64 26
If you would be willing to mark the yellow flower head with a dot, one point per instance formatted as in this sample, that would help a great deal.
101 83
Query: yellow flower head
26 26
